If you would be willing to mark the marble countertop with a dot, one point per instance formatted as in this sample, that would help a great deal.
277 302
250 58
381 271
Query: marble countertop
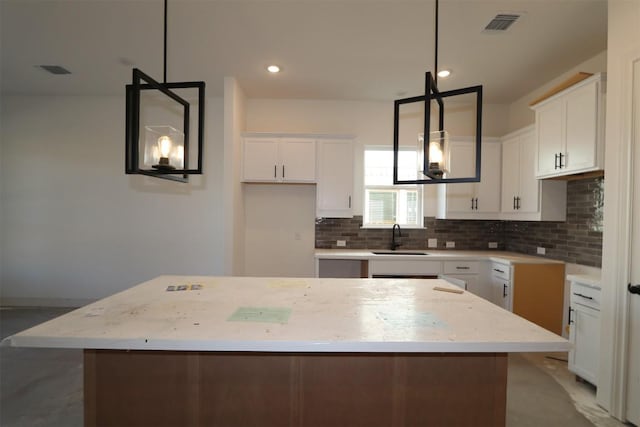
292 315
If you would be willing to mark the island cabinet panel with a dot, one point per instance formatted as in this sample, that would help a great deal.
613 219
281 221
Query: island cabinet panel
538 294
161 388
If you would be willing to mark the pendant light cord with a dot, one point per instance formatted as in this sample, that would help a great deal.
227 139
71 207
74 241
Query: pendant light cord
165 41
435 71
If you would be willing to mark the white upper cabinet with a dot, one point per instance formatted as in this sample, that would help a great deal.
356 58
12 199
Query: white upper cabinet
286 160
524 197
334 193
570 130
475 200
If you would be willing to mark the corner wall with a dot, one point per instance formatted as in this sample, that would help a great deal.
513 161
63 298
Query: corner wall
521 115
623 47
74 227
234 125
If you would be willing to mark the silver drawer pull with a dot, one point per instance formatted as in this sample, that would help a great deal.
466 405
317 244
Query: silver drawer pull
499 271
462 268
583 296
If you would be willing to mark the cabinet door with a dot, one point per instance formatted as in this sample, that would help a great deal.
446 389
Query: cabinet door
549 136
335 179
501 292
529 188
460 196
487 191
260 159
584 334
297 160
581 118
510 173
480 288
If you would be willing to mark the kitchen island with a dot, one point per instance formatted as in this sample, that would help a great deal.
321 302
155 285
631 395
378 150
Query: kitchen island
233 351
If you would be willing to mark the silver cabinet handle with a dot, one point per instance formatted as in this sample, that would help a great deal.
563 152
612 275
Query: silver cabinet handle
283 171
349 202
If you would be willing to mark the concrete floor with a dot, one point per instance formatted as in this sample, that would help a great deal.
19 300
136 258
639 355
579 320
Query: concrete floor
43 387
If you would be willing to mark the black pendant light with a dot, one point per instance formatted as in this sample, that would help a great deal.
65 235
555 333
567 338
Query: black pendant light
433 150
158 125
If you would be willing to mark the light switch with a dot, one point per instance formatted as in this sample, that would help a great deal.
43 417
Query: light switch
432 243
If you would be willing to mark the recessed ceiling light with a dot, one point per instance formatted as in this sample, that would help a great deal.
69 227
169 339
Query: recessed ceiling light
273 69
444 73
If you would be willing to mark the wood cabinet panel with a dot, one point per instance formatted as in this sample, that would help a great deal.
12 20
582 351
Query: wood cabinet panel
163 388
538 294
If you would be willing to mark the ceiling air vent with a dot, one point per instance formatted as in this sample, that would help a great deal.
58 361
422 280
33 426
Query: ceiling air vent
501 22
54 69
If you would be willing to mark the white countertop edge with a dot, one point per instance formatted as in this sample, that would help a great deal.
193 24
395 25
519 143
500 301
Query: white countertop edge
289 346
366 254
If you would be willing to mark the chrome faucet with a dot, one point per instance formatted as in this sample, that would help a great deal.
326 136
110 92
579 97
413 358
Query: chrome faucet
394 244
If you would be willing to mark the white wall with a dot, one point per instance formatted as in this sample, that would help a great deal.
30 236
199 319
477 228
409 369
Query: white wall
521 115
75 227
234 124
623 46
279 230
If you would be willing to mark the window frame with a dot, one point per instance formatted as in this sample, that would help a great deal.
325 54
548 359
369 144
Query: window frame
419 191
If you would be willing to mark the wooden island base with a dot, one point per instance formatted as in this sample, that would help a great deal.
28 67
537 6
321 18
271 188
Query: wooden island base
182 388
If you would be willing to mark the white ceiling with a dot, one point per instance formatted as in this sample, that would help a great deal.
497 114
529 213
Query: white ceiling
328 49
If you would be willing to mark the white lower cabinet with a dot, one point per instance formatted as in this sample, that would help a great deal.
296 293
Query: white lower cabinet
584 331
501 286
470 273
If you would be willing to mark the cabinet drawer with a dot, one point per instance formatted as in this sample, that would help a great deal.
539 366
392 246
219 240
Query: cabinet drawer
585 295
501 271
460 267
404 267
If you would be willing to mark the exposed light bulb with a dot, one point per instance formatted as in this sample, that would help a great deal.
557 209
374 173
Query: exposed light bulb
435 152
273 69
444 73
164 144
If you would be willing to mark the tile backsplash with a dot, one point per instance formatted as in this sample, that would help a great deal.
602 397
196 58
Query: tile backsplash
578 240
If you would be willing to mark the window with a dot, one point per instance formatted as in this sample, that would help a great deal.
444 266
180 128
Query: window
387 204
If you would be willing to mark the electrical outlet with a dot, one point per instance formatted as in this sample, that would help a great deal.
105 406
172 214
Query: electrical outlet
432 243
451 245
541 250
493 245
341 243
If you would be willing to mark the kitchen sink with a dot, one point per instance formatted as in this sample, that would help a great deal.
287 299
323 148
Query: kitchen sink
397 253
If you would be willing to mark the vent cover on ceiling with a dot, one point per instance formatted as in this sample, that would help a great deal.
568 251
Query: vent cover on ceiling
55 69
502 22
